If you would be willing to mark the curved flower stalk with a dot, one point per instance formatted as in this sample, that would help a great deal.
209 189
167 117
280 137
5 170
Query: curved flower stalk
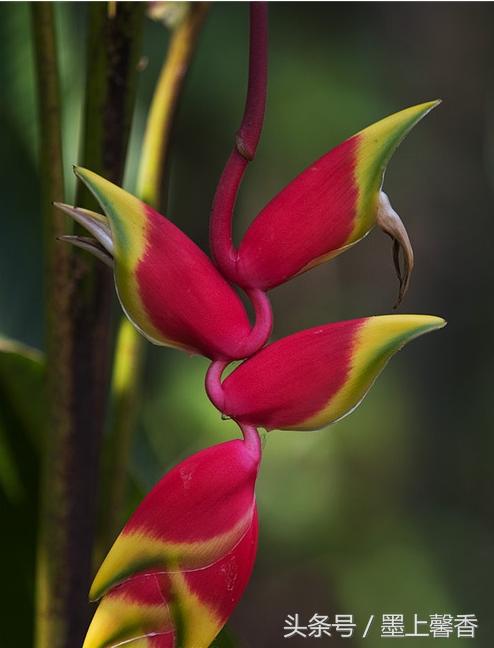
182 561
316 377
167 286
328 208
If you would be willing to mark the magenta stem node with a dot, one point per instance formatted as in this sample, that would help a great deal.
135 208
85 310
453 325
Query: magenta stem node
213 385
251 438
263 324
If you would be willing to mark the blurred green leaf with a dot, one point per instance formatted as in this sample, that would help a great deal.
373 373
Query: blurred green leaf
22 417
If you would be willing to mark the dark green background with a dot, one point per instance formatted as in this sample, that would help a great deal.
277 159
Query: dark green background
389 511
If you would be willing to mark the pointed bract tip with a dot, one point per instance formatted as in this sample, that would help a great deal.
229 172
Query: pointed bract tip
86 175
391 130
434 103
425 108
81 172
401 329
394 128
429 105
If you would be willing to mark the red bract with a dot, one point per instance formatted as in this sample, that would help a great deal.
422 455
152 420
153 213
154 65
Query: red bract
168 287
308 380
181 563
184 558
176 609
325 210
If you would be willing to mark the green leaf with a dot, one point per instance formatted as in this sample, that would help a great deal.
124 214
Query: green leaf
22 418
22 415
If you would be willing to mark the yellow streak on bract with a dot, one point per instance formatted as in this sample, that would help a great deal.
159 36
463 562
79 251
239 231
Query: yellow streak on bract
376 145
117 619
128 222
328 256
377 340
133 552
200 622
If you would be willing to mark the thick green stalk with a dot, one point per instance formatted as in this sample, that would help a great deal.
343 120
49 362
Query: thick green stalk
51 581
130 345
114 49
81 353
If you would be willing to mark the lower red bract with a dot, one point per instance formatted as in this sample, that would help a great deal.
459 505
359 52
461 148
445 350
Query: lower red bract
150 588
205 495
221 585
213 593
161 641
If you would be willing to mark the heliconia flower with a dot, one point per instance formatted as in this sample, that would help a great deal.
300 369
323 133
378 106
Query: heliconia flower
328 208
310 379
185 556
183 609
168 287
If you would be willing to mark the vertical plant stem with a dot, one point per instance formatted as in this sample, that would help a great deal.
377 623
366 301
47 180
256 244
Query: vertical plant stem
81 351
51 582
246 141
129 357
160 121
114 49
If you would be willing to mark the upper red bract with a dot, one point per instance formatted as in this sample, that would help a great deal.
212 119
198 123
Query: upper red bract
313 215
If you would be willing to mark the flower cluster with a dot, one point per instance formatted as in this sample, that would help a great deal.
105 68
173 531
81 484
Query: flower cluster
182 561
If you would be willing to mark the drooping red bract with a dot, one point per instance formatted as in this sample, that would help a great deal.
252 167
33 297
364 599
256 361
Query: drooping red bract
288 381
325 210
185 556
176 609
184 295
168 287
310 379
312 215
195 514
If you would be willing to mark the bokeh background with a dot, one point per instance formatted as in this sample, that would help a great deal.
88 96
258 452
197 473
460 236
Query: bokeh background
390 510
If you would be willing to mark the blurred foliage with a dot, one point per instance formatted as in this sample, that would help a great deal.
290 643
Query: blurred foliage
22 413
390 511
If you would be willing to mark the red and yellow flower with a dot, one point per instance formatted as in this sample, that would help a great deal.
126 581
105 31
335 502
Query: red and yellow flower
167 286
315 377
326 209
183 560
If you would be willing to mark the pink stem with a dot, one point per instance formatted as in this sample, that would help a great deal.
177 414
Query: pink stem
255 340
214 390
251 438
213 385
246 140
263 325
250 129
